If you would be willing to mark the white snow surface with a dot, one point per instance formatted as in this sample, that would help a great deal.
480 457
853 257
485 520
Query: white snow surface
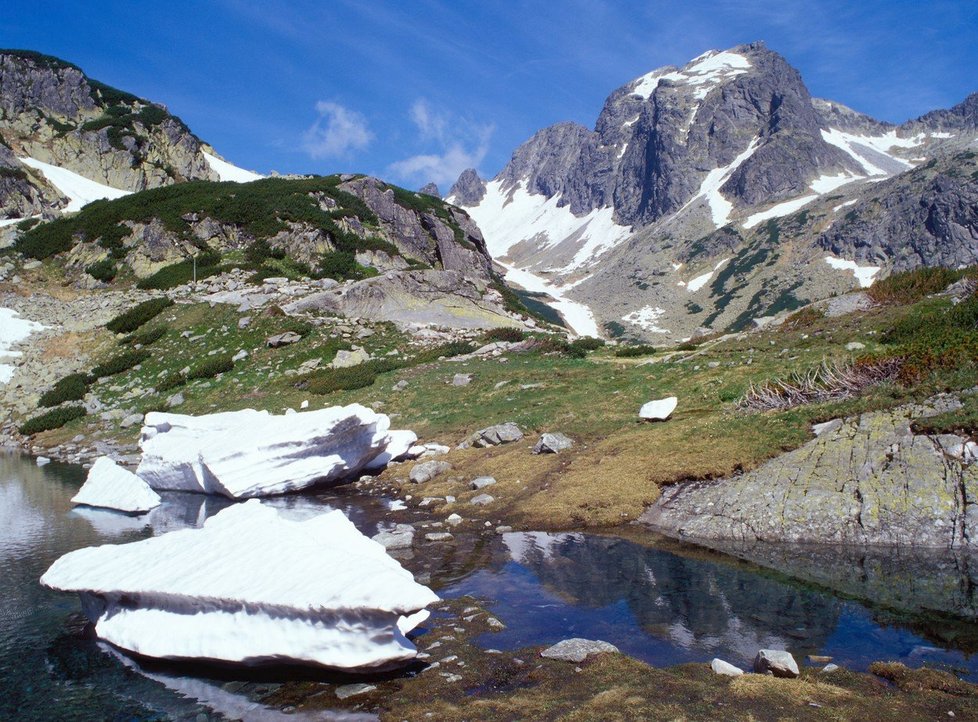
658 410
781 209
864 274
77 188
228 171
720 207
248 453
697 283
13 330
869 150
578 316
647 318
508 217
704 73
110 486
250 587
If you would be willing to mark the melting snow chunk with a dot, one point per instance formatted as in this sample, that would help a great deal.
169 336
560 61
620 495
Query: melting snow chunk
79 190
251 587
249 453
229 172
109 486
864 274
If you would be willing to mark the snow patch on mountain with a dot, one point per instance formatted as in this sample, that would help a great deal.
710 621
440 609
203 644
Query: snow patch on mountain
228 171
704 73
864 274
874 152
720 207
578 316
697 283
821 185
13 330
508 217
647 319
79 190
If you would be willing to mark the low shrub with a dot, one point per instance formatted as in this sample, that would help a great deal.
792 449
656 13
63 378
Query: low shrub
54 419
119 363
557 345
104 270
803 318
211 367
633 351
348 379
506 333
446 350
146 337
177 274
170 382
130 320
911 286
71 388
588 343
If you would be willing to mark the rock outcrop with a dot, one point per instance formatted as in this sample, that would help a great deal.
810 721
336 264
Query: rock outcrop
864 480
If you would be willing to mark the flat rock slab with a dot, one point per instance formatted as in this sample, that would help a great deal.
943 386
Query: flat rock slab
658 410
725 668
577 649
481 482
482 500
776 662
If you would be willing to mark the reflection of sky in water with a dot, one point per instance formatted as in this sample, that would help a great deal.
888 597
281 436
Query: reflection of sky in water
658 606
666 608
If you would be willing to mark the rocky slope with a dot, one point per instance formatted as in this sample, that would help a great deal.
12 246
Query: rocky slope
53 115
709 195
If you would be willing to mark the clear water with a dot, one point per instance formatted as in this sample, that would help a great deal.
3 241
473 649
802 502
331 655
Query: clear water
658 601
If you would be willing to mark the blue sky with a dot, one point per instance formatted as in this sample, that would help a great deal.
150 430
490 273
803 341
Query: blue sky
419 89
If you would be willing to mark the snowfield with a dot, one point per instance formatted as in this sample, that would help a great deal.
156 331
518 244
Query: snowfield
864 274
13 330
229 172
704 73
79 190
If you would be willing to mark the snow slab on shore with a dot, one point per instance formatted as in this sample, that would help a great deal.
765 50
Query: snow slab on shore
251 587
244 454
109 486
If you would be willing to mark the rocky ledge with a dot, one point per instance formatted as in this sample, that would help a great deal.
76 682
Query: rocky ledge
863 480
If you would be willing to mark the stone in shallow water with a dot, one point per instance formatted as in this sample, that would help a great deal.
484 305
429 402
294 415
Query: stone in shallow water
109 486
577 649
251 587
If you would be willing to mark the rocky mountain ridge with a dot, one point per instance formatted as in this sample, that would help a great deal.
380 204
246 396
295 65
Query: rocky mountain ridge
685 171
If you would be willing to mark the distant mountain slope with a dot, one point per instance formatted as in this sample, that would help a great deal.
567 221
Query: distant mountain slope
66 139
687 167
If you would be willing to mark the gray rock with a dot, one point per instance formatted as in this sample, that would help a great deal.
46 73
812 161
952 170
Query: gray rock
282 339
400 537
577 650
864 481
244 322
461 379
239 356
352 690
175 400
482 500
131 420
855 346
469 189
494 435
346 359
428 470
725 668
400 385
438 536
776 662
481 482
430 189
552 443
829 668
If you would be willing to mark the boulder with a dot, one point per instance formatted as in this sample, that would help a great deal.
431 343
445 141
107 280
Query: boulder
428 470
282 339
658 410
249 453
577 649
552 443
400 537
109 486
482 500
776 662
345 359
481 482
263 589
495 435
461 379
725 668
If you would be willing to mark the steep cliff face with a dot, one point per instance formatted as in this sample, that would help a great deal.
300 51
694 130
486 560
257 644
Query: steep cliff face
660 218
51 112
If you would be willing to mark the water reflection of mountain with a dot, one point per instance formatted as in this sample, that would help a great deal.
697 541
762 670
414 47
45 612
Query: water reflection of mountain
695 604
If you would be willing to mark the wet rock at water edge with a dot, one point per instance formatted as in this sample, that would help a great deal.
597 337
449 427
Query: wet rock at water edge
577 649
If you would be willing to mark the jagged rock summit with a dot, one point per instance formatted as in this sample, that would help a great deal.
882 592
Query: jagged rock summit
721 191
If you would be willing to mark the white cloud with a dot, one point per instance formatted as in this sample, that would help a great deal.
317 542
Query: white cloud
460 144
336 132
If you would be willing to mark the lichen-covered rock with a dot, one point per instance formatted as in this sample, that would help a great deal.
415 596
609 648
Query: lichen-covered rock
867 480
